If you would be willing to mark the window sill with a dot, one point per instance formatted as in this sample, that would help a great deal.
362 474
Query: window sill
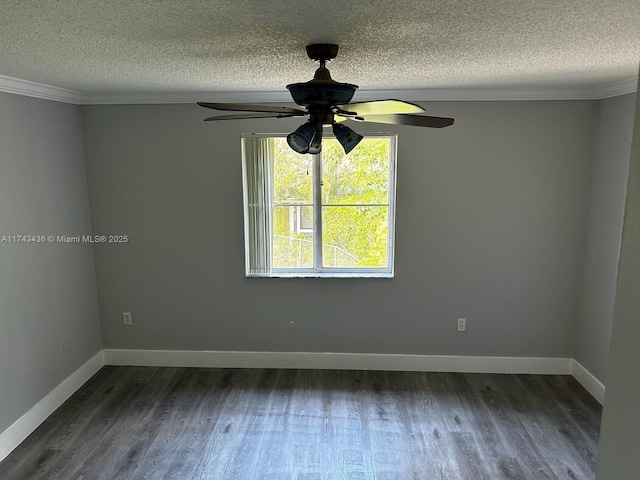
324 275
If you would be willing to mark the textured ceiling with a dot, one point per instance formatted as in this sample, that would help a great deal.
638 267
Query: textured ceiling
257 45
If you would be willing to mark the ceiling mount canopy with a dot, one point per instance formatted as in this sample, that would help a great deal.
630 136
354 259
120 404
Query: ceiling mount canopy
326 102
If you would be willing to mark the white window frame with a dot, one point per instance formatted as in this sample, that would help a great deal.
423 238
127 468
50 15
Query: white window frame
316 235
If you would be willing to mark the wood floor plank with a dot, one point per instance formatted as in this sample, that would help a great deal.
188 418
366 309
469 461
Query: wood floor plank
225 424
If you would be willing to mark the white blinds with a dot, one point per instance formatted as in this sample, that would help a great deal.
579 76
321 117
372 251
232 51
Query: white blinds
257 171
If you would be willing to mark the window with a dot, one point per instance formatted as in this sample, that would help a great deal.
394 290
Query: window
325 215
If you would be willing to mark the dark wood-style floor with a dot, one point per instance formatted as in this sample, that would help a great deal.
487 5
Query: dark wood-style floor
245 424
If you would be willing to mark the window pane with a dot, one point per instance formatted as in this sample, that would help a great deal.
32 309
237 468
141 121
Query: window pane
357 178
293 210
292 175
292 241
354 236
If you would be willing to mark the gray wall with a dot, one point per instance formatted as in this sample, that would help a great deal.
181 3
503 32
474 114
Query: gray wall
491 225
620 436
606 207
46 290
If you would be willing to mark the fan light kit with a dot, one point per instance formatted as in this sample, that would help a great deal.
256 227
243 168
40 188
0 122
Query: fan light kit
326 102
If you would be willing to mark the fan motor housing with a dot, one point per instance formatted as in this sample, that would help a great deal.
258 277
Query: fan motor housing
321 93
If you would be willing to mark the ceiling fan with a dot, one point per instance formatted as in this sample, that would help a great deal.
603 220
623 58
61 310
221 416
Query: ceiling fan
326 102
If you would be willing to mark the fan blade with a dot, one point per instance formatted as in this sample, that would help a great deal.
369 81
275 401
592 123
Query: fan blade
239 116
243 107
381 107
407 119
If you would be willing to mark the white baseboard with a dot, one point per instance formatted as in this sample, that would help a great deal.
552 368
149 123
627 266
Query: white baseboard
342 361
22 428
359 361
591 384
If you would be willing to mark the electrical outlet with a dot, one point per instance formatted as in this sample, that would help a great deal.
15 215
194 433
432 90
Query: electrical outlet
126 318
462 324
65 343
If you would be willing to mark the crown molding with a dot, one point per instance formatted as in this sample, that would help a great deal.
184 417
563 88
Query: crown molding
48 92
145 98
481 94
613 89
17 86
411 95
416 95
